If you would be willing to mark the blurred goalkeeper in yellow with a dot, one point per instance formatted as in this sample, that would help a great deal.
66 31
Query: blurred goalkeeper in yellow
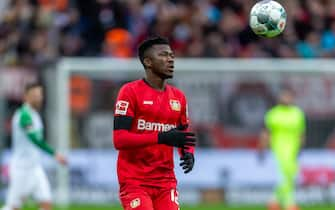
284 132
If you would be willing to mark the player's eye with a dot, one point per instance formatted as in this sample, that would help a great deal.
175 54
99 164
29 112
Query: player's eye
163 53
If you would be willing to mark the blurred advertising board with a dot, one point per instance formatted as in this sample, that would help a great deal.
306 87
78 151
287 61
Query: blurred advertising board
239 176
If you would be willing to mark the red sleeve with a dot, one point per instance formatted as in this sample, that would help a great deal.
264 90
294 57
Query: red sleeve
185 121
125 102
123 115
124 139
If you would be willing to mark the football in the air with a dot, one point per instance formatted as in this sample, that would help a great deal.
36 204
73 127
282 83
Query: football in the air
267 18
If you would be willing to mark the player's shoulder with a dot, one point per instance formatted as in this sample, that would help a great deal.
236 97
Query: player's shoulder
23 113
23 110
175 90
298 109
273 111
129 86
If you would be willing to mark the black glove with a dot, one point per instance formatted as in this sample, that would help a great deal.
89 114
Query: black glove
187 162
177 138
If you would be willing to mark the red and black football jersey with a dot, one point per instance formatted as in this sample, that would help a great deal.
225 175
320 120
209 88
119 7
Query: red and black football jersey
151 111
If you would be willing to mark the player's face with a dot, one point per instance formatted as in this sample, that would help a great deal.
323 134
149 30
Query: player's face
286 97
35 97
162 61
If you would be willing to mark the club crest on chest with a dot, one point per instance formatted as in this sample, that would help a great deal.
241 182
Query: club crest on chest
175 105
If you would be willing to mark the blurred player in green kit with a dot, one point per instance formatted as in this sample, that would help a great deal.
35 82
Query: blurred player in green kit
284 132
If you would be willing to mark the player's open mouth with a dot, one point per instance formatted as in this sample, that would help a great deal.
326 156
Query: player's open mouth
171 67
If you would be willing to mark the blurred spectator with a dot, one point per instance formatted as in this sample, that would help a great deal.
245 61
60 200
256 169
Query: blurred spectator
310 47
328 38
118 43
37 32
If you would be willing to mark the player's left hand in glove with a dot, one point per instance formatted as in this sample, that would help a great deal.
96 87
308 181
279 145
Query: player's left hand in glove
177 138
187 162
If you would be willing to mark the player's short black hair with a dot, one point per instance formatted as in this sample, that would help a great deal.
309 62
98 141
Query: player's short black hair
285 88
148 43
31 85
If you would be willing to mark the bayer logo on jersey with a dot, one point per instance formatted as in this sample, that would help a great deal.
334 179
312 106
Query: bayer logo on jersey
175 105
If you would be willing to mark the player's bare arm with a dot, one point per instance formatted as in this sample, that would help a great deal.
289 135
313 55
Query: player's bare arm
264 139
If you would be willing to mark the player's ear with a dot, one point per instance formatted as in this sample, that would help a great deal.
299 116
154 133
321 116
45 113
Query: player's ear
147 62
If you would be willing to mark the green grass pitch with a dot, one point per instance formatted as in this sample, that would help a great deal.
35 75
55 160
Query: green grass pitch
195 207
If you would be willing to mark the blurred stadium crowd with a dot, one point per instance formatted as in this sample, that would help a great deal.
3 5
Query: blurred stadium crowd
36 32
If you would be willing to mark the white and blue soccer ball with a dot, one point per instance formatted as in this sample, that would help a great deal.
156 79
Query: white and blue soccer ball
267 18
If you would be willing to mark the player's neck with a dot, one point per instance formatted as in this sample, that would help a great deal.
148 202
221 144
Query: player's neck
155 82
285 105
31 106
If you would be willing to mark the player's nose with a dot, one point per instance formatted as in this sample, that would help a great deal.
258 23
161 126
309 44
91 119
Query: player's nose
170 58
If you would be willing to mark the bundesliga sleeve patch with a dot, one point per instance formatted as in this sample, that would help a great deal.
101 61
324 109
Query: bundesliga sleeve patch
121 107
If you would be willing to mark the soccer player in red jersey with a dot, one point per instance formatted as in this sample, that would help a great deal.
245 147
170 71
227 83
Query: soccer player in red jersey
150 120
